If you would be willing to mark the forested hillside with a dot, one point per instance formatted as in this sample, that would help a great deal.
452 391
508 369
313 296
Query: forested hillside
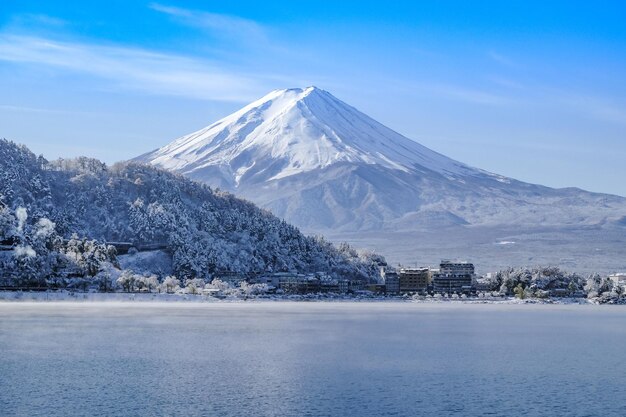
56 214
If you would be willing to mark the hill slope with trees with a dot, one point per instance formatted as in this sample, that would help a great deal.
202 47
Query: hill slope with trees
56 216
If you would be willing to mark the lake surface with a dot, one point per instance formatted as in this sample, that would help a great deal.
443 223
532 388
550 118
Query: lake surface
311 359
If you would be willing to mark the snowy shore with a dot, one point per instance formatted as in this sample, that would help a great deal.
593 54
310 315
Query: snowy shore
66 296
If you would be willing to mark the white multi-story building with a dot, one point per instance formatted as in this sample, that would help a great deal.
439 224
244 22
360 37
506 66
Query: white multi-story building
454 277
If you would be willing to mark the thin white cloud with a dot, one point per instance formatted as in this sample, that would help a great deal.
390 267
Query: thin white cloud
137 69
230 26
24 109
468 95
506 82
502 59
446 91
30 19
598 108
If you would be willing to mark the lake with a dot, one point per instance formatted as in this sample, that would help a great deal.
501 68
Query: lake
311 359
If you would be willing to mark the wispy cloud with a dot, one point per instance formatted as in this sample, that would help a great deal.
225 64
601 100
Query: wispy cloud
29 19
446 91
137 69
25 109
225 25
502 59
468 95
506 82
595 107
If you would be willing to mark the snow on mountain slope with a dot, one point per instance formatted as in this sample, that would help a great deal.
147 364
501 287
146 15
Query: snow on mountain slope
325 166
305 129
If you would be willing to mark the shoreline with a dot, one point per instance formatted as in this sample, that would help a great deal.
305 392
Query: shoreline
7 297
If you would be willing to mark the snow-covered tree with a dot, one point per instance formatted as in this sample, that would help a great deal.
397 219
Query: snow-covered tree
170 284
127 280
194 286
150 283
86 203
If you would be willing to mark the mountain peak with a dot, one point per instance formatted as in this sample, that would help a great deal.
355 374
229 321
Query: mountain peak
291 131
298 90
295 93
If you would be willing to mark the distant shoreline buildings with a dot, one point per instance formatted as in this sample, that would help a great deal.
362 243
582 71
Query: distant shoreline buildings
452 277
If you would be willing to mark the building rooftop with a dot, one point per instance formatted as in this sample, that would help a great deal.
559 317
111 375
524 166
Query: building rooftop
452 261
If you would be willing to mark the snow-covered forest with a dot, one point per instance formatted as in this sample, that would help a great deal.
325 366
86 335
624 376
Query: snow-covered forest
548 282
56 218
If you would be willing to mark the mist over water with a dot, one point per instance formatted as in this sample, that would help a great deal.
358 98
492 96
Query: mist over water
294 359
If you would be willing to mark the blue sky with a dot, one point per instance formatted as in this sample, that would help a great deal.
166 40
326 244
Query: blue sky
526 89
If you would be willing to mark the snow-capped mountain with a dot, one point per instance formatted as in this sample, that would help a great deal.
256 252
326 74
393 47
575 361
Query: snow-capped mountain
325 166
290 132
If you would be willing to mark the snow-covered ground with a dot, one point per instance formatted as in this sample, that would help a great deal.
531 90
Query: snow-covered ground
158 261
66 296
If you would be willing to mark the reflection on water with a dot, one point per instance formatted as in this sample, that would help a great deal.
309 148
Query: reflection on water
295 359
